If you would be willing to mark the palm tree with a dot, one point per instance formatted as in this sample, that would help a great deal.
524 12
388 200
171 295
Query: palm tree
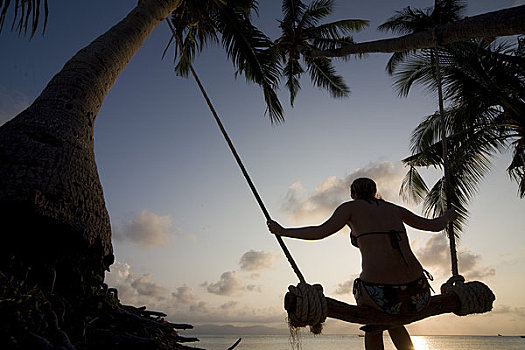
50 194
444 195
301 32
485 84
505 22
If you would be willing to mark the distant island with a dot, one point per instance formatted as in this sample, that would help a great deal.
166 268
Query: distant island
210 329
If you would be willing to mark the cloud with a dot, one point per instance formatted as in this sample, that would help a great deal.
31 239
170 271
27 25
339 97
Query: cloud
11 103
184 295
144 286
254 288
435 256
512 310
256 260
333 191
183 305
228 284
519 2
229 305
147 230
132 289
345 287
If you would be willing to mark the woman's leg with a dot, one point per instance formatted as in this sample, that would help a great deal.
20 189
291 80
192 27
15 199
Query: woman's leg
401 338
374 340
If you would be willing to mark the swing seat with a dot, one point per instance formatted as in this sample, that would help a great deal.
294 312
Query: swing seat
457 297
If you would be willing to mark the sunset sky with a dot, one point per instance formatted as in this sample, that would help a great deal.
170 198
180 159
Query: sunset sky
189 238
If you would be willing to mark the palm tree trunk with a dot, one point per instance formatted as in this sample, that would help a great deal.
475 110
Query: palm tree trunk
504 22
52 207
446 169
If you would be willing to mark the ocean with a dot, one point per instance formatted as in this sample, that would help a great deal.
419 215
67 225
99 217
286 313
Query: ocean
350 342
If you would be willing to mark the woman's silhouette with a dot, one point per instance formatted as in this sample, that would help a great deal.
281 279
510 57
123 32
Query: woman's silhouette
392 279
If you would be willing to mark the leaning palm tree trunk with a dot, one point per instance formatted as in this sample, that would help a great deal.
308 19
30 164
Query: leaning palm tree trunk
504 22
52 207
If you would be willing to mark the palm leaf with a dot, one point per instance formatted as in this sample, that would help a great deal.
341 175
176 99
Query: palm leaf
323 75
292 71
315 12
292 10
336 30
516 168
253 55
413 187
26 15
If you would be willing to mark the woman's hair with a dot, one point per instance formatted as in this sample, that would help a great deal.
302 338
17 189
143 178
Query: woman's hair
363 188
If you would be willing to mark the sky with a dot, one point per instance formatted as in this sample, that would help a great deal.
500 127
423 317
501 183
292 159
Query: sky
188 236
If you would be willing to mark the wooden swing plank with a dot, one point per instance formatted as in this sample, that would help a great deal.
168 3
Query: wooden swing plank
439 304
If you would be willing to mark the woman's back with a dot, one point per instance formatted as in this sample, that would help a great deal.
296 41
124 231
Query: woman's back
378 227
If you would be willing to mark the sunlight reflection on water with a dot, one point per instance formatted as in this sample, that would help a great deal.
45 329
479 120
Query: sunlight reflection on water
420 343
353 342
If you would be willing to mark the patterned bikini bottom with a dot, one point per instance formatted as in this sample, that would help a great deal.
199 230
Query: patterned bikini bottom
406 298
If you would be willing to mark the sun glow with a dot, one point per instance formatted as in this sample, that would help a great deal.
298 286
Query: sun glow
420 343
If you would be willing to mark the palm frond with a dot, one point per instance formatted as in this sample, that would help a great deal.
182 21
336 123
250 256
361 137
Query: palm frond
26 15
316 11
327 44
255 56
336 30
407 20
516 169
413 187
292 10
412 71
323 75
396 59
435 205
292 71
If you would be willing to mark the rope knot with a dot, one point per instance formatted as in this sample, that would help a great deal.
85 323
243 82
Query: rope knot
474 297
310 309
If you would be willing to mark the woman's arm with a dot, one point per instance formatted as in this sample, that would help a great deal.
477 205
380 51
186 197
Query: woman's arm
421 223
336 222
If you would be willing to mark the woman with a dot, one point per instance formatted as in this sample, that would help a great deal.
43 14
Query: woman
392 279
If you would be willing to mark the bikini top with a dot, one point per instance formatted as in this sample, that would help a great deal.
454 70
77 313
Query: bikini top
395 238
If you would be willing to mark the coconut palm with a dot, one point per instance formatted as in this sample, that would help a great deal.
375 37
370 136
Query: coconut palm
486 86
50 193
301 33
414 21
51 198
505 22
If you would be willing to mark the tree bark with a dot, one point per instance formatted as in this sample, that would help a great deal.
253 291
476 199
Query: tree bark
439 304
504 22
52 207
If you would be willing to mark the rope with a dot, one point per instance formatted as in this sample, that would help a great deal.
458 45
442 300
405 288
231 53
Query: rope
311 308
239 162
474 297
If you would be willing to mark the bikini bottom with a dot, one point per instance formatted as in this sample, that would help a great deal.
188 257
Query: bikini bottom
406 298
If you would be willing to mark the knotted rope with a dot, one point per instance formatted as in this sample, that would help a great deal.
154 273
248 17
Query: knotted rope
474 297
310 309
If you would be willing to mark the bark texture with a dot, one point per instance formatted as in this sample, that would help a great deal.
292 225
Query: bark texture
52 206
504 22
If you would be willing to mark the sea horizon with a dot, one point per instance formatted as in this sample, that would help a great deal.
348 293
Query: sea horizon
306 341
261 330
